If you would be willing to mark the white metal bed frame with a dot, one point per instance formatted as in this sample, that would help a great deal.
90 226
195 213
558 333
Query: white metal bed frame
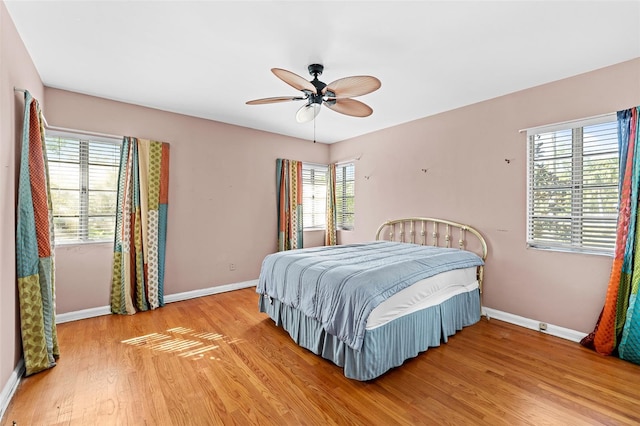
396 230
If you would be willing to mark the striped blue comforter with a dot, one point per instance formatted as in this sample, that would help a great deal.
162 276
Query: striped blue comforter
339 286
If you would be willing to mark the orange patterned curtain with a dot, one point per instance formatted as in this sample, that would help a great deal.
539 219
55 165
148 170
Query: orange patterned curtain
618 328
289 187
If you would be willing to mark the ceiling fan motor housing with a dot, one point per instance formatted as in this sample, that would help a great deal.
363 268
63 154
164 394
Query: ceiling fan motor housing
315 99
315 70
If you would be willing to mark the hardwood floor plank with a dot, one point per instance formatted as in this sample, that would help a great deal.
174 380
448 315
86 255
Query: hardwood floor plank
546 378
217 361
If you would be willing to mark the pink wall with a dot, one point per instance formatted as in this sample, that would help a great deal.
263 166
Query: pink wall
469 181
222 199
17 70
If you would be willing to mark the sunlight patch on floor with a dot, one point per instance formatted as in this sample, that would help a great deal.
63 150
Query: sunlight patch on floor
184 342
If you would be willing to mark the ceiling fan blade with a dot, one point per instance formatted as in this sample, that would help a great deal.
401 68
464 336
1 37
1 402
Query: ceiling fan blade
349 107
294 80
274 100
350 87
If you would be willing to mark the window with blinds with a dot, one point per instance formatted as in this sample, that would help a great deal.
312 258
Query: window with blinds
83 173
314 196
573 186
345 195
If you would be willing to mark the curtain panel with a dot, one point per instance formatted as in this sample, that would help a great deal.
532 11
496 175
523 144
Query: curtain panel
34 247
289 188
618 328
137 280
330 237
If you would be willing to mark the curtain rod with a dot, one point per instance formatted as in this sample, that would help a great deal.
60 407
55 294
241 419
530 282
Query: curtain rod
84 132
17 89
595 117
350 160
65 129
339 163
314 164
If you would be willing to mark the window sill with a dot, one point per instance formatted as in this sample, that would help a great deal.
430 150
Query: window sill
80 243
568 250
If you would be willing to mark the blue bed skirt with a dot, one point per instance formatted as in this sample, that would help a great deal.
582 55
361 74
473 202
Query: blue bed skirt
384 347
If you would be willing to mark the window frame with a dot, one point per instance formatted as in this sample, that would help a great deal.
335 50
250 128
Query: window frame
577 186
85 139
341 198
313 169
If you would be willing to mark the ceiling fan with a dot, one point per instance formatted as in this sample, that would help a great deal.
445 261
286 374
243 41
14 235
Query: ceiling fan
336 96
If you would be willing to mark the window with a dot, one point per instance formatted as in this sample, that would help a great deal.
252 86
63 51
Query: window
573 186
83 172
345 195
314 196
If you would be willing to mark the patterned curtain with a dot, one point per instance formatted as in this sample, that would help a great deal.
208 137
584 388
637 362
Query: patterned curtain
289 187
34 247
137 278
618 327
330 238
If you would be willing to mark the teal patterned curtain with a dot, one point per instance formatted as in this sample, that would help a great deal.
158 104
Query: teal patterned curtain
34 247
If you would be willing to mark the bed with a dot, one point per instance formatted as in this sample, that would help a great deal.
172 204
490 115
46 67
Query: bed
369 307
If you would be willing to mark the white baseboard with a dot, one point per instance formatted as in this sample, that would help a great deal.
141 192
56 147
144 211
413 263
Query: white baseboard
554 330
10 387
177 297
83 314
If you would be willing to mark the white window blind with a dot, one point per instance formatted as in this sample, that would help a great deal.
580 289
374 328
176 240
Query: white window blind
345 195
314 195
573 187
83 172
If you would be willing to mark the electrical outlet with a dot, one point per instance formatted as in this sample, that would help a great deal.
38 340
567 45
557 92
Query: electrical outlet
232 266
542 326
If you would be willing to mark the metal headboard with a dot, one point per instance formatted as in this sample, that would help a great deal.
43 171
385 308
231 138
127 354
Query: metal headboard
417 230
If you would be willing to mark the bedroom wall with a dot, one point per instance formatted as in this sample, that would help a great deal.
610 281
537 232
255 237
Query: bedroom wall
222 199
16 69
468 180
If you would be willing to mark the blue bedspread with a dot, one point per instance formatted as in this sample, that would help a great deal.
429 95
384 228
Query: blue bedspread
339 286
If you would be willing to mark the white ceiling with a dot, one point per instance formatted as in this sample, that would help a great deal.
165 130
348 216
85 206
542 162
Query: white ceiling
207 58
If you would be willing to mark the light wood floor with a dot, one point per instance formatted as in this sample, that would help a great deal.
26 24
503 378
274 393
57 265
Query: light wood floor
216 360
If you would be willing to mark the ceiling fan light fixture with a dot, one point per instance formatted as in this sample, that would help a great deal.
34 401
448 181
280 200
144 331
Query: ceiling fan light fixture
308 112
